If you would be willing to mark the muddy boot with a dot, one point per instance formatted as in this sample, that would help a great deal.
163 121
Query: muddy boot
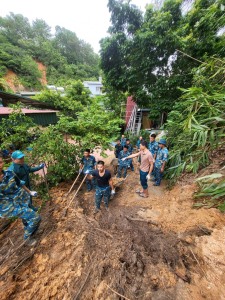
31 242
96 210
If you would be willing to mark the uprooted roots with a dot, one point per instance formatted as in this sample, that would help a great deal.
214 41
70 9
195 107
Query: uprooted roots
132 259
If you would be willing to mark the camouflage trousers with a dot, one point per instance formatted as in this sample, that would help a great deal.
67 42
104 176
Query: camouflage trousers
102 192
30 218
158 175
122 169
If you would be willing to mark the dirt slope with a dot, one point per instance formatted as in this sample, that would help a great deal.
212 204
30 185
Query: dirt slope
157 248
13 81
42 68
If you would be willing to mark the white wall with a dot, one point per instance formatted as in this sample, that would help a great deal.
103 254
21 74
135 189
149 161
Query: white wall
95 88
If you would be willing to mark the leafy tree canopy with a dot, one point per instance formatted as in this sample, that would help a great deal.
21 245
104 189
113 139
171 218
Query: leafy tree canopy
76 97
141 54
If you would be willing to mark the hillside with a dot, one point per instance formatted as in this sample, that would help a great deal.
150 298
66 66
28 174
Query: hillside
25 48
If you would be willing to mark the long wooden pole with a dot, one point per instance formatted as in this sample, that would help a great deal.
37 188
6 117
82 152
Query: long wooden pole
74 182
77 191
80 186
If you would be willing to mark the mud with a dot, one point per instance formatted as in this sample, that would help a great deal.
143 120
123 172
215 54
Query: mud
156 248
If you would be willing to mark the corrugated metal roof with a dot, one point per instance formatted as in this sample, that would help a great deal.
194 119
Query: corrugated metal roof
8 98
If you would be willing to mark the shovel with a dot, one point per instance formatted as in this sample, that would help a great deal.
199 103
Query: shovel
66 209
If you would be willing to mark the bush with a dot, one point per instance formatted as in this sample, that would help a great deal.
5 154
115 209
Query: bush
61 158
16 129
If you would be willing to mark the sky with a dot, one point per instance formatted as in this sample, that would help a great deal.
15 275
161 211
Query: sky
89 19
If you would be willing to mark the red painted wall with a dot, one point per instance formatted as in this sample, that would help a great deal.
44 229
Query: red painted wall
129 107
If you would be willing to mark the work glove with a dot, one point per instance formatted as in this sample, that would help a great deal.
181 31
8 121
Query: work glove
87 172
42 166
123 159
148 177
33 193
80 171
113 192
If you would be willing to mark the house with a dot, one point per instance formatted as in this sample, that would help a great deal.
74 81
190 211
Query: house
95 87
43 117
40 117
136 118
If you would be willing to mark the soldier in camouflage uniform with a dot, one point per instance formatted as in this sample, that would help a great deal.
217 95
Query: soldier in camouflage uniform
160 162
153 146
22 171
123 165
14 201
130 150
88 163
123 140
118 148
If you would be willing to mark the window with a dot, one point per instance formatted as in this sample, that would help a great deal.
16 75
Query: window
98 89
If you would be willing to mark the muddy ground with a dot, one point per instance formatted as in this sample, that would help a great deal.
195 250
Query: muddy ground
158 248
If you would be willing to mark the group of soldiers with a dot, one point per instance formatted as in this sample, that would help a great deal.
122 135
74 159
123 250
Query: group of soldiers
152 157
158 150
16 194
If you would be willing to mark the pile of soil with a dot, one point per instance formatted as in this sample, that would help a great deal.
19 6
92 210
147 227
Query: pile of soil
156 248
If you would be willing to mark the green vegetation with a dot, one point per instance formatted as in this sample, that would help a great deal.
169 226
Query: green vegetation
75 99
90 126
15 130
141 54
59 156
212 190
22 45
196 125
172 61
